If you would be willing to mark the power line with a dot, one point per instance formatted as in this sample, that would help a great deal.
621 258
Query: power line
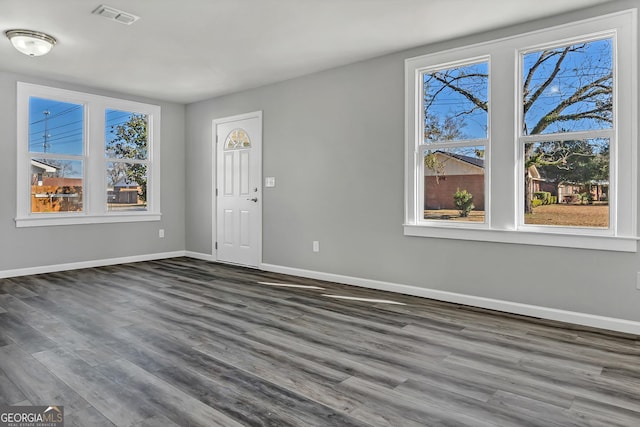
58 127
61 113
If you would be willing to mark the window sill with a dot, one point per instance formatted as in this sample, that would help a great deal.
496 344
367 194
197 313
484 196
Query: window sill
581 241
42 221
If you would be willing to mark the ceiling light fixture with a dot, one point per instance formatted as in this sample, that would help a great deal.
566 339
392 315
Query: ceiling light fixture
31 43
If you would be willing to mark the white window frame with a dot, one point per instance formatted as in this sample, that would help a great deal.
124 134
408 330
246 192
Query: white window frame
94 159
609 133
504 196
486 142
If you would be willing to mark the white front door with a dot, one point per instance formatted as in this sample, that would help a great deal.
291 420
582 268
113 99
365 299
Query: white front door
238 187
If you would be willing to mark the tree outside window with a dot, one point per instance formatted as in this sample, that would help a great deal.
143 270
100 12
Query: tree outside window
455 134
567 123
566 129
127 155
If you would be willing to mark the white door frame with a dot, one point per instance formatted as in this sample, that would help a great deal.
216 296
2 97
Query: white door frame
214 207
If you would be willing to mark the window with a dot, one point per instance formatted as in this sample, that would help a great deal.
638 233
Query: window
237 138
567 129
127 153
85 158
455 136
56 155
530 139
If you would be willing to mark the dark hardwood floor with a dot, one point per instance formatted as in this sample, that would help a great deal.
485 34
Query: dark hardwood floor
190 343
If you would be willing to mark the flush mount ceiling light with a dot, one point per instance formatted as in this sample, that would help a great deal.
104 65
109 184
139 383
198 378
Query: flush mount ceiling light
31 43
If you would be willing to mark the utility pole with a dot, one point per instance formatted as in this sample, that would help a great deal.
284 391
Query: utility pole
46 135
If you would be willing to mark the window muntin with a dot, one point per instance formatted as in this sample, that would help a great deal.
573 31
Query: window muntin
455 133
74 158
567 131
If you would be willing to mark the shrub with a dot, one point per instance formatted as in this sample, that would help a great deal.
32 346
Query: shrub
536 202
543 196
463 201
553 200
586 197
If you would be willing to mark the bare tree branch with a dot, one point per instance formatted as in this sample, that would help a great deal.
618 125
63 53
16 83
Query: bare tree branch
546 55
451 85
581 94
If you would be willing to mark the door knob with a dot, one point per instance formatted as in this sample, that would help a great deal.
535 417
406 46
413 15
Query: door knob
255 200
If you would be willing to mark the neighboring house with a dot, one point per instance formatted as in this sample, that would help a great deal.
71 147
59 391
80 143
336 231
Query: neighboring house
568 192
123 192
467 173
50 193
44 175
538 183
457 171
40 170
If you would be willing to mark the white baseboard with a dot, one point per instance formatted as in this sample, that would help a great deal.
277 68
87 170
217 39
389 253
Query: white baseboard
87 264
200 256
584 319
610 323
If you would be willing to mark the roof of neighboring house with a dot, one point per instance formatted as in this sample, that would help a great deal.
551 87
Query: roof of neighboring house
468 159
533 170
126 183
43 165
534 173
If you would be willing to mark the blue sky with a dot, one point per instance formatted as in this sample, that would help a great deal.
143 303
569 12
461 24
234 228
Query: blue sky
577 70
447 102
64 126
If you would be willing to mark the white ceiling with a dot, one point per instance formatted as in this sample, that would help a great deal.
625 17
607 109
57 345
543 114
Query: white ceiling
189 50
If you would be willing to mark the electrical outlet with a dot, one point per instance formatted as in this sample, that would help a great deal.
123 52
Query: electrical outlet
316 246
161 233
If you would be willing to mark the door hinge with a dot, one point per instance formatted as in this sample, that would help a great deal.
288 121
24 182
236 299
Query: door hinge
216 246
216 192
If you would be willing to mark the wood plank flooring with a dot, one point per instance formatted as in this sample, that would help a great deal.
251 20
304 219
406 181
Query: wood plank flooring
182 342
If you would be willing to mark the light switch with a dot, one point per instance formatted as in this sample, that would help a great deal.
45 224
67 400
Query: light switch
270 181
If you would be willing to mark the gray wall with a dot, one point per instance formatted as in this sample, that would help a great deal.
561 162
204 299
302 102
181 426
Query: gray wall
335 143
42 246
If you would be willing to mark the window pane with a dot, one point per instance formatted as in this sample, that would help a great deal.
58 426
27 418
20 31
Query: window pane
126 135
568 88
55 127
56 185
454 184
237 138
567 183
455 103
127 186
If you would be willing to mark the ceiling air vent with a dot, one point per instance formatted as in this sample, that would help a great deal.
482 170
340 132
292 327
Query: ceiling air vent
115 15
